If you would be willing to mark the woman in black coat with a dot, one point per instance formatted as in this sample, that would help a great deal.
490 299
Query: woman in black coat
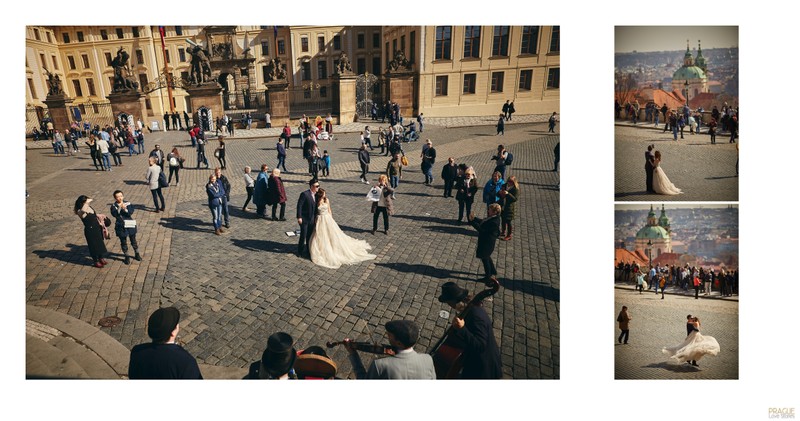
92 229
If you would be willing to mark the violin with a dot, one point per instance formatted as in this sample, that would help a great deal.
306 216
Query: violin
448 359
380 349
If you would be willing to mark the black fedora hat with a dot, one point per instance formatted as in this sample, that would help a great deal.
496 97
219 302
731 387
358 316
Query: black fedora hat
452 293
280 354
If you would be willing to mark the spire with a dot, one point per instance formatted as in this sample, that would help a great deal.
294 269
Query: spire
700 61
687 58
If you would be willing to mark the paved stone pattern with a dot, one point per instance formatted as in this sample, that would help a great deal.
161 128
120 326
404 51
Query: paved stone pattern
657 323
704 172
237 289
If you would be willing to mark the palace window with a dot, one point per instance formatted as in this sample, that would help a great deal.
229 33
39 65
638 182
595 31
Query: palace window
104 34
361 41
304 44
412 47
472 42
322 69
555 40
306 70
108 58
66 37
469 83
135 30
182 55
497 81
361 66
139 57
443 34
36 34
553 78
85 61
281 47
178 30
376 40
530 34
90 85
337 42
120 34
441 85
525 79
76 84
264 48
71 61
80 36
321 43
500 41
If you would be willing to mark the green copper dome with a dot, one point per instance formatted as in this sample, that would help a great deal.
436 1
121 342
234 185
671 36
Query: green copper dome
652 233
688 73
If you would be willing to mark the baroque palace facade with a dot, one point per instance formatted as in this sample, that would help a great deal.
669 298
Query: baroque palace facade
456 70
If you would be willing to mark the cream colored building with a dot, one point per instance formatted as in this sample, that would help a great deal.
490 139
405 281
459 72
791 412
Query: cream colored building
458 70
474 70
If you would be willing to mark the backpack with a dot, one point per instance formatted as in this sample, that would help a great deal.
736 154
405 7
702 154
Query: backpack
173 162
162 180
509 158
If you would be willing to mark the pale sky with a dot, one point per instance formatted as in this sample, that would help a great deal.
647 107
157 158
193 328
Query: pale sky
670 38
657 206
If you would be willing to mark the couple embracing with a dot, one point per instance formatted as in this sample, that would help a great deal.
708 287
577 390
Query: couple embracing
657 180
321 239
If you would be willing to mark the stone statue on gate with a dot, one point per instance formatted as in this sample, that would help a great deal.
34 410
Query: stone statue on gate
55 84
276 70
123 82
344 64
200 67
400 62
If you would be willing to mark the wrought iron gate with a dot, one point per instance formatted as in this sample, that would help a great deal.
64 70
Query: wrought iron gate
368 91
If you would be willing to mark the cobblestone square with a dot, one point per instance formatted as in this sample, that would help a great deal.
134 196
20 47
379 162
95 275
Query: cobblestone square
704 171
235 290
657 323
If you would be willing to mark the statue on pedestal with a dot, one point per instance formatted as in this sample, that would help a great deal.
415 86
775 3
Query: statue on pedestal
276 70
123 81
55 84
344 64
400 62
200 67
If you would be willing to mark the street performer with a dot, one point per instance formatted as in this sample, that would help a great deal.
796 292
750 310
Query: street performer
474 333
404 364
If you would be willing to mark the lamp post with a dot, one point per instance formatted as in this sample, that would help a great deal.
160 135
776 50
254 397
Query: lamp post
686 86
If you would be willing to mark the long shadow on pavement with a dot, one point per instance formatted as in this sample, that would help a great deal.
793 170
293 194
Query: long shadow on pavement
638 193
553 187
353 229
187 224
675 368
451 230
77 254
538 289
427 270
432 219
722 178
265 245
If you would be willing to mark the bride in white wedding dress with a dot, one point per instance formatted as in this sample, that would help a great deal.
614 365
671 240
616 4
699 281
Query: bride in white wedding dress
694 347
661 183
329 246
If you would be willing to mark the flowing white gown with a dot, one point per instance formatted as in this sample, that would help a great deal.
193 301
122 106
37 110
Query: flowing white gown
332 248
694 347
661 183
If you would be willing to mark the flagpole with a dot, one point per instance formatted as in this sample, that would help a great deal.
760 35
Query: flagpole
167 75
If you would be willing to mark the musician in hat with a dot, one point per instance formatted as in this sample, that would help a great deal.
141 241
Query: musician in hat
404 364
474 334
162 358
277 361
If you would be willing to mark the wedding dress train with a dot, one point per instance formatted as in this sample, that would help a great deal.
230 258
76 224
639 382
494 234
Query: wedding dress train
331 247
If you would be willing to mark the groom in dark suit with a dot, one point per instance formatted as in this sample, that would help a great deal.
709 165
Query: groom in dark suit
649 167
306 217
689 329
